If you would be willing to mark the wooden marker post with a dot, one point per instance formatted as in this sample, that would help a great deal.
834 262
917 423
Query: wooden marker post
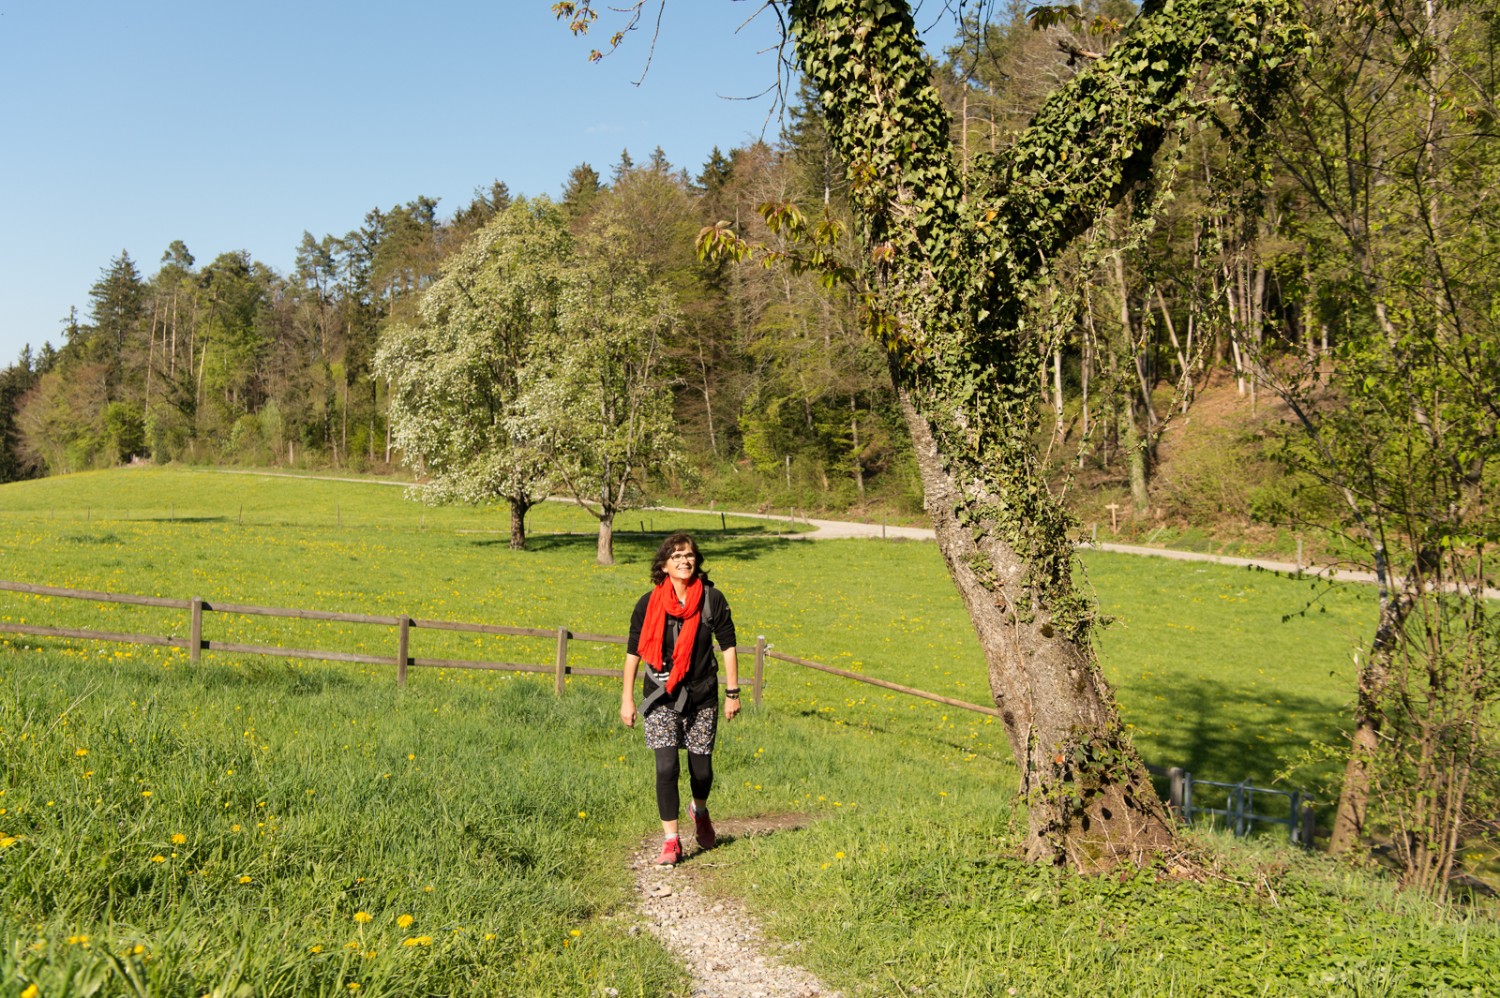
195 631
403 647
758 677
560 668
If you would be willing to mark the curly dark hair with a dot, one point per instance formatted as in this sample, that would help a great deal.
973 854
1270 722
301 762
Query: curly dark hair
668 547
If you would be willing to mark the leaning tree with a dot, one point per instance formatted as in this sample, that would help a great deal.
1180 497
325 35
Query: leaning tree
954 270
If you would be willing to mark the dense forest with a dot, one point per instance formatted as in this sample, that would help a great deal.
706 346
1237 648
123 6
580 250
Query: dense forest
775 390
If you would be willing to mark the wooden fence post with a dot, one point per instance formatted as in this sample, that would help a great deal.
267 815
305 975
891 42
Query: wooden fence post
561 667
759 675
1174 795
195 631
403 644
1309 828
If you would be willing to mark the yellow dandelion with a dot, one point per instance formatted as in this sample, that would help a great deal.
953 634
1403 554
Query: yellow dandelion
315 949
179 839
405 921
362 917
145 793
158 858
574 933
411 757
490 937
30 992
351 945
246 879
838 855
352 985
583 814
81 752
234 828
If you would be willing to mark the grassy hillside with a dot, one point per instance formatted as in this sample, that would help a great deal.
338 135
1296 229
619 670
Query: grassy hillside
498 816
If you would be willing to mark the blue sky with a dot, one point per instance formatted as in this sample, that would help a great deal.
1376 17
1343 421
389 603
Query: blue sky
237 126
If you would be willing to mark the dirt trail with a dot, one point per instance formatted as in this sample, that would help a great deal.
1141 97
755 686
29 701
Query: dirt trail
722 945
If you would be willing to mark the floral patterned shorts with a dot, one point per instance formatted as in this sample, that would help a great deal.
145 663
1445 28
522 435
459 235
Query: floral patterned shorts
693 730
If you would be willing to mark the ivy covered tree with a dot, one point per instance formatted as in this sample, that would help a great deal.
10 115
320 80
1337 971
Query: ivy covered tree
953 270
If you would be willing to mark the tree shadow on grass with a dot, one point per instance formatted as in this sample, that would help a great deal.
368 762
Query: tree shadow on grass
182 519
1227 736
633 548
999 752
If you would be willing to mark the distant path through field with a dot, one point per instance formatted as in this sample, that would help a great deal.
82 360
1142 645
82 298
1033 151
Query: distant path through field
824 530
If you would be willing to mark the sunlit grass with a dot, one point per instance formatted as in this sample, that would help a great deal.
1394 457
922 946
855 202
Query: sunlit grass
518 808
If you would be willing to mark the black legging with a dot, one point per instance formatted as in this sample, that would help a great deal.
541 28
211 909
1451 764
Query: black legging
700 779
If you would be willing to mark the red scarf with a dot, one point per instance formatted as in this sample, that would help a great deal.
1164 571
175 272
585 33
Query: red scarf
664 602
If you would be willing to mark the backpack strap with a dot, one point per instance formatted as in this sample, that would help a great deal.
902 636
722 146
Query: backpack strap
708 618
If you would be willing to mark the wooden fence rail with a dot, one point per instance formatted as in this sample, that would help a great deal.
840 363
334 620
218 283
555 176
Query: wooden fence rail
195 643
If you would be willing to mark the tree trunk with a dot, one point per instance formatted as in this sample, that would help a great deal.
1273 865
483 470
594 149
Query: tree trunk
1090 801
859 463
1059 430
1137 456
606 554
1364 744
518 508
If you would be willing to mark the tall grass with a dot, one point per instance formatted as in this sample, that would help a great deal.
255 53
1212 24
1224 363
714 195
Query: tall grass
335 794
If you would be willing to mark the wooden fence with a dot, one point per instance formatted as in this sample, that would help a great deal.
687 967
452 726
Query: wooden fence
195 643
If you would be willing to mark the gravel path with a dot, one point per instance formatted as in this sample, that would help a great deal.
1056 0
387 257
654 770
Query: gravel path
726 954
843 529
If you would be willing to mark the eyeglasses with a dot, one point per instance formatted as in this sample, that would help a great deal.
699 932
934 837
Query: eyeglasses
683 556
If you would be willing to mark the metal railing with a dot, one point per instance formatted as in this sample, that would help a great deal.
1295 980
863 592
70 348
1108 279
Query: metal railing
1239 811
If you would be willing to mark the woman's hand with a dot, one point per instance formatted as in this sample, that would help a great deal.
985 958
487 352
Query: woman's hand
731 708
627 697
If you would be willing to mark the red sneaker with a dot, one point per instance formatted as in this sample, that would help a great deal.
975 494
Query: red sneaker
671 853
703 829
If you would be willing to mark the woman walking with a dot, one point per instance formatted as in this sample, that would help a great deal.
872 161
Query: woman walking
672 630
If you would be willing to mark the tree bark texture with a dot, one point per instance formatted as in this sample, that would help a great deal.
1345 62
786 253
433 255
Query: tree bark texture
1091 802
1364 741
606 549
518 510
954 263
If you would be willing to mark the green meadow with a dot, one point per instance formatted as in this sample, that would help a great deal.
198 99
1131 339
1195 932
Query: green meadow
263 825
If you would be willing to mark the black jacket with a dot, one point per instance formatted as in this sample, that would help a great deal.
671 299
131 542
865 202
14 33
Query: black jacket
702 679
